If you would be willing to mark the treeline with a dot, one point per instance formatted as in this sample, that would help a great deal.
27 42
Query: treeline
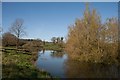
56 44
9 39
90 40
57 39
29 45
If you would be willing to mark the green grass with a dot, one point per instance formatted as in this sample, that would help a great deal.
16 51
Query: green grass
52 46
19 65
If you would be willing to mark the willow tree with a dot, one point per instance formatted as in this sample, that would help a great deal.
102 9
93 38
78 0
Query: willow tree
109 37
85 38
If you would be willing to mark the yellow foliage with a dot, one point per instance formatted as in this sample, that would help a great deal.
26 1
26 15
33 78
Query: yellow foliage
90 40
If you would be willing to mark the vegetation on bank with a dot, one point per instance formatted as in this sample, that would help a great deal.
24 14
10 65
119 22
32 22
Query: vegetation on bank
53 46
90 40
18 62
19 65
31 45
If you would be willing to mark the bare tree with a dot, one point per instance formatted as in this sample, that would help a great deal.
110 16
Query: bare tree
17 29
1 30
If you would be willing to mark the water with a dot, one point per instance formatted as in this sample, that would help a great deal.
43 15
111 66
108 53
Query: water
52 62
59 65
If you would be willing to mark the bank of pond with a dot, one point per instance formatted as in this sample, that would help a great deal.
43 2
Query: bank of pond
53 64
20 65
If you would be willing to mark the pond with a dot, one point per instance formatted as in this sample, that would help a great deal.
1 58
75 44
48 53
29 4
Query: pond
59 65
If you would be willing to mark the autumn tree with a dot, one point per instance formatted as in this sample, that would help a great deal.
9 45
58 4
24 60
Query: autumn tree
17 29
109 39
89 40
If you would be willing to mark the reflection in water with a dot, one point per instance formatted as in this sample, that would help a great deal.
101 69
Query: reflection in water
58 64
57 54
89 70
43 50
52 62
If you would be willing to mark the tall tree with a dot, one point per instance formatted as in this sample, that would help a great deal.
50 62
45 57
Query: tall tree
90 40
62 39
58 40
53 39
17 29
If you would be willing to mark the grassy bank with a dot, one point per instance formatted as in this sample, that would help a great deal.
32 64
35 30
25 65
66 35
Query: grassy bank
20 65
52 46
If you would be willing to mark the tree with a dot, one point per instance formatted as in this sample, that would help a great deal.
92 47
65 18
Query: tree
90 40
17 29
8 39
58 39
62 39
1 30
53 39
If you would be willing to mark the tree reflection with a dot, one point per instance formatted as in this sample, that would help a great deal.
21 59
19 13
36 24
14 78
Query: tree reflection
75 69
42 52
57 54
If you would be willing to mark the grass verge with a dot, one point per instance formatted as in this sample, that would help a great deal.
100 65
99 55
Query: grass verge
19 65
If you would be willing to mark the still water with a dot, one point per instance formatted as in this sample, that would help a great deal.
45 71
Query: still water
59 65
